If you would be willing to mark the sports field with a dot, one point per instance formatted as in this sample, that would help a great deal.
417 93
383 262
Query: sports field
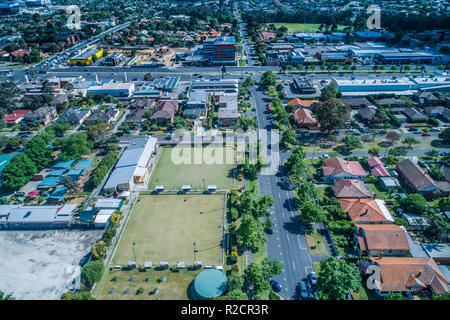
173 175
303 27
165 228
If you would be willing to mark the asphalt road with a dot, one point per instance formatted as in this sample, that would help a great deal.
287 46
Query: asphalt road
288 242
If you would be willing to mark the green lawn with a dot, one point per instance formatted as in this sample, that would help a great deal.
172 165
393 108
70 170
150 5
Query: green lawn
316 243
175 287
303 27
165 227
173 175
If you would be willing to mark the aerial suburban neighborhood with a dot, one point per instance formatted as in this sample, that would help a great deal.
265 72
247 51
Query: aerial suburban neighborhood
224 150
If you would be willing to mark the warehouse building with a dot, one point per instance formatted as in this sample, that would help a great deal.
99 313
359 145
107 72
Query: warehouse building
23 217
86 58
133 166
114 89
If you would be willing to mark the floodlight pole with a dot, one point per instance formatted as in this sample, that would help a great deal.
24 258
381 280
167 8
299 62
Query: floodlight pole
134 253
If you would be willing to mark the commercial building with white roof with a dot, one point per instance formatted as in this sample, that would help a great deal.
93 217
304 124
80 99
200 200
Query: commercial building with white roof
133 166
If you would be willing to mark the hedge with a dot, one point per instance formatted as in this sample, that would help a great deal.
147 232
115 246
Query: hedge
102 169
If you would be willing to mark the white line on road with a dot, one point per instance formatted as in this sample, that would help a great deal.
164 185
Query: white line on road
293 265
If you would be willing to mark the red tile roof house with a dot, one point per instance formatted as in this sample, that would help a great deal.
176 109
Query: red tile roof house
165 111
345 188
15 117
266 36
366 210
304 118
386 239
338 168
377 167
419 181
407 275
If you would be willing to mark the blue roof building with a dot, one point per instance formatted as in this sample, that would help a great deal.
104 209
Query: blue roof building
63 165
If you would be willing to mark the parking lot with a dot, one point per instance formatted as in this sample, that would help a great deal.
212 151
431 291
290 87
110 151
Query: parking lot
43 264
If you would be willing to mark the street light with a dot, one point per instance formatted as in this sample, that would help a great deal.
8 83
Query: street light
134 253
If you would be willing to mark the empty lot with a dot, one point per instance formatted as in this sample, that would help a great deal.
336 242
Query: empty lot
165 227
42 264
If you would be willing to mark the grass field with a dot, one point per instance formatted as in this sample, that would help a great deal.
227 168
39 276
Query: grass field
303 27
174 175
316 243
175 287
165 227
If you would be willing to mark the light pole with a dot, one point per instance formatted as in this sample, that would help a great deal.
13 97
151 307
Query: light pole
134 253
195 251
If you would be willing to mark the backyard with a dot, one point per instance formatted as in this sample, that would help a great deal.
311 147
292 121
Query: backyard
165 227
173 175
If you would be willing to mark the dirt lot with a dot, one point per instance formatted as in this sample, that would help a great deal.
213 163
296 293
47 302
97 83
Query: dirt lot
42 264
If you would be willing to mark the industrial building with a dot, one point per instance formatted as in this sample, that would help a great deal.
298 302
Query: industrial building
226 86
31 217
86 58
214 51
133 166
161 88
114 89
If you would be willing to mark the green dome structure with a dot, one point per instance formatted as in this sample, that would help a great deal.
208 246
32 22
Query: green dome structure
209 284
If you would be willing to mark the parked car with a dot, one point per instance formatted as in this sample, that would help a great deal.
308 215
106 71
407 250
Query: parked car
303 290
324 156
426 134
276 286
312 278
435 130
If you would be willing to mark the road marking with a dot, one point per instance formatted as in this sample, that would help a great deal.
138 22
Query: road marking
287 238
293 265
299 243
306 269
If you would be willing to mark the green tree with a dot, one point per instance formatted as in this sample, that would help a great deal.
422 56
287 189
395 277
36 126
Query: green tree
330 92
299 169
307 191
99 133
392 137
311 212
35 55
443 296
236 295
251 231
259 274
445 135
99 250
235 281
247 123
4 296
374 151
92 271
395 296
409 141
75 146
352 142
268 79
288 137
18 172
67 295
332 114
38 152
336 277
414 203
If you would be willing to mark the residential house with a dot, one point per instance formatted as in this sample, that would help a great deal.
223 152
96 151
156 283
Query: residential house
408 275
411 114
266 36
197 104
110 115
377 167
367 114
136 116
386 239
43 115
228 113
344 188
389 183
426 98
75 115
59 100
304 118
419 181
15 117
366 210
438 112
338 168
356 103
165 111
297 103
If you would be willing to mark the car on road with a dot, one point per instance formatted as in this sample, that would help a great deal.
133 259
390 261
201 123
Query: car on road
443 153
435 130
414 129
303 290
324 156
426 134
312 278
276 285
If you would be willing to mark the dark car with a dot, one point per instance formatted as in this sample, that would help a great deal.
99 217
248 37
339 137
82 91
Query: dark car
275 285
